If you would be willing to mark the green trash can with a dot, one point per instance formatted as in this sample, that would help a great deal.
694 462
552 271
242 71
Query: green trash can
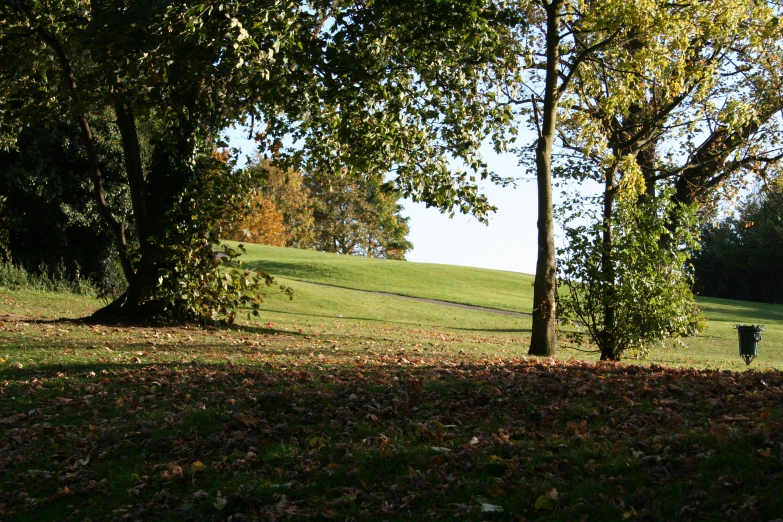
749 337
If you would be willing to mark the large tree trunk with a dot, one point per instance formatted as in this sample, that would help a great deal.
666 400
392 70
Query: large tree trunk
130 303
133 167
544 335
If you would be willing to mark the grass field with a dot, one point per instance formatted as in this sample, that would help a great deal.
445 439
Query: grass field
343 404
456 284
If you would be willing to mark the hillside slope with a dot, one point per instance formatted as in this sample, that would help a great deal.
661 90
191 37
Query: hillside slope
457 284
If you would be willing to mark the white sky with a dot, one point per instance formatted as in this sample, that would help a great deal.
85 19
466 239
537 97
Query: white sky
507 243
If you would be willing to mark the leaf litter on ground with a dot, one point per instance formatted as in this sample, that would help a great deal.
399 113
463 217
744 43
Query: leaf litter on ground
340 436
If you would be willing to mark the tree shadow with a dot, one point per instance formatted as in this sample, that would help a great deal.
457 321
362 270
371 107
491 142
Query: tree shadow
375 436
495 330
366 319
296 271
740 312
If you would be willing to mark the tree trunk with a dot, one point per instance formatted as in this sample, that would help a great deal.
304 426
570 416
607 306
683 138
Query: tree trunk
609 341
133 167
96 176
544 336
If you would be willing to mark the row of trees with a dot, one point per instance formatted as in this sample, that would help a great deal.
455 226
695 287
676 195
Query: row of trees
340 214
740 254
665 105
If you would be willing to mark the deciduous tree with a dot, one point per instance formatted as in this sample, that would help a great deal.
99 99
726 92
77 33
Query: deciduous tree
357 216
390 86
676 105
563 36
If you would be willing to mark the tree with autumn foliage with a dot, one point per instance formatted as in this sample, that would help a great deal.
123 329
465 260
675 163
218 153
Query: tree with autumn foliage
262 223
288 201
340 214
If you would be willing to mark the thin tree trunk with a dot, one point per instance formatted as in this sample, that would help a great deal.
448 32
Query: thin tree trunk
96 176
544 336
609 341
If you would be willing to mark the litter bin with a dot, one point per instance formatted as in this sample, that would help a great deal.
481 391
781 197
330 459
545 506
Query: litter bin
749 337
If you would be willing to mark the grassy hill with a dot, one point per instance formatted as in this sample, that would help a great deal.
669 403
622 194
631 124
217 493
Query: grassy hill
352 317
502 290
457 284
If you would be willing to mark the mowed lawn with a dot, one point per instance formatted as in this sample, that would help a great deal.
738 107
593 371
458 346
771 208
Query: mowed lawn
716 348
343 404
457 284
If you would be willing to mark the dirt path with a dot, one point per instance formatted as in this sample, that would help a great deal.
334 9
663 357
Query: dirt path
431 301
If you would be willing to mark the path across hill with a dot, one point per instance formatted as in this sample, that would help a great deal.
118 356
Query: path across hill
431 301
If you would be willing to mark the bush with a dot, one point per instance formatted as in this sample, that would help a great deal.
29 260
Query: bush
15 277
642 293
197 278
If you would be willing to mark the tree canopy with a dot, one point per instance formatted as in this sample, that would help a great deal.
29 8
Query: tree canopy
389 87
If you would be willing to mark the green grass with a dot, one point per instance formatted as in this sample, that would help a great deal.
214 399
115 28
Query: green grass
400 323
347 404
474 286
716 348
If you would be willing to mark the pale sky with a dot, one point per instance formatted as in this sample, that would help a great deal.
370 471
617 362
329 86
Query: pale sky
507 243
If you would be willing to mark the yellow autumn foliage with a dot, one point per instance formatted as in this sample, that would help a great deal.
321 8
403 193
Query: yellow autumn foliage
264 224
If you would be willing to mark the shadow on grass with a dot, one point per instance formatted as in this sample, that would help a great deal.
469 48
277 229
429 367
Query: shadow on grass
743 312
366 319
494 330
294 270
340 440
154 325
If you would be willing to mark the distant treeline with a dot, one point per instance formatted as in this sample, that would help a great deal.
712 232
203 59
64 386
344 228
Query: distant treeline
339 214
742 256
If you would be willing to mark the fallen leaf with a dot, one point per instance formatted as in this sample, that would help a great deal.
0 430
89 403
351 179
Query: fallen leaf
316 441
490 508
220 501
13 418
247 420
64 492
543 503
437 460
